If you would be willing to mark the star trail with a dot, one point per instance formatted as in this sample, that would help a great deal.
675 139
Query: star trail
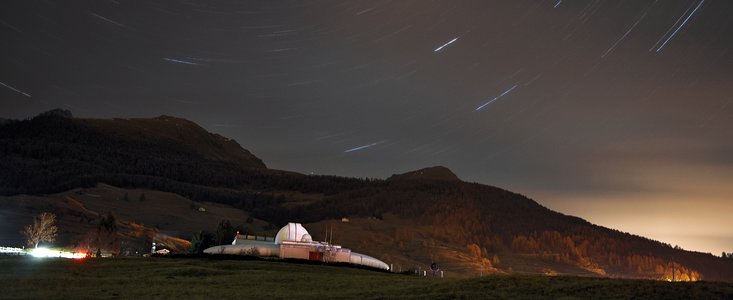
178 61
362 147
670 36
15 90
445 45
623 36
497 97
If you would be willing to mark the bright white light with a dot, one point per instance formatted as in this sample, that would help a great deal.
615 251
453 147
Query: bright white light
42 252
73 255
45 252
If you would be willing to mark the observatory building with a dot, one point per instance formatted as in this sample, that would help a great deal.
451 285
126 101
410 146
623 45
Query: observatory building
294 241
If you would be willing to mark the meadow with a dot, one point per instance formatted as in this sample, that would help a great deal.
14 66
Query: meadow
202 278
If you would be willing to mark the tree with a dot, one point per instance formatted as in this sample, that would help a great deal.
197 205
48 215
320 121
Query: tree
475 251
201 241
105 236
495 260
42 229
224 232
247 231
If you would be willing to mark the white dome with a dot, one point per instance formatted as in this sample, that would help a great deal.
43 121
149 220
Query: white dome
306 238
292 232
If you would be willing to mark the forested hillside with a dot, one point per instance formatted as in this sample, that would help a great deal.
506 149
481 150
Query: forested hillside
497 221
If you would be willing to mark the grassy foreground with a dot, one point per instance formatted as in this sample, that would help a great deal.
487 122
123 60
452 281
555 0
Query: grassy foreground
155 278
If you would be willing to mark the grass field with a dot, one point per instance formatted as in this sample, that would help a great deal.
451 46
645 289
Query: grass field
200 278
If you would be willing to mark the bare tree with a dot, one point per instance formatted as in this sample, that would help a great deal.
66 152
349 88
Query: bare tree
42 229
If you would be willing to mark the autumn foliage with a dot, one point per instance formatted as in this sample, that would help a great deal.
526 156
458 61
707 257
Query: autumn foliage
42 229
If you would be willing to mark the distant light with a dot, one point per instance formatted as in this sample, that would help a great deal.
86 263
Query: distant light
78 255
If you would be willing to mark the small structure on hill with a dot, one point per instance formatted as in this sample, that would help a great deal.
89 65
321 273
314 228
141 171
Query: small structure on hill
294 241
162 252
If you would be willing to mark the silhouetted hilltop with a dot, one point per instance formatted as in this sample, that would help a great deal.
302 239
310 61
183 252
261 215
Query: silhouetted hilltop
54 152
61 113
432 173
179 133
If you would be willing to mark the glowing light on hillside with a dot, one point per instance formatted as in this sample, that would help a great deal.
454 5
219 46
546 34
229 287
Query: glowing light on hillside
682 278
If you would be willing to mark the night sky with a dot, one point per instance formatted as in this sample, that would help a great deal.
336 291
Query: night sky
615 111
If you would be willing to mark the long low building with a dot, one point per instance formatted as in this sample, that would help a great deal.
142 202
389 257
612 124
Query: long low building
294 241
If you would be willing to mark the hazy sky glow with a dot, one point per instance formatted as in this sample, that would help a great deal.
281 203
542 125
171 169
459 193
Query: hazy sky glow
615 111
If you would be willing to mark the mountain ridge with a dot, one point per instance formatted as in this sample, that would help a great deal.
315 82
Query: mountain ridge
183 133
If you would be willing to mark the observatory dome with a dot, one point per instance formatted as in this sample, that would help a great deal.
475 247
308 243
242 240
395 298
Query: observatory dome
294 232
306 238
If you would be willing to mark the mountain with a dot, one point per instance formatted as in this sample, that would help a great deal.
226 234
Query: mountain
177 133
409 219
54 152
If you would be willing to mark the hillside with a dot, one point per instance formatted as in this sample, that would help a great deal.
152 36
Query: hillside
409 219
499 231
142 216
